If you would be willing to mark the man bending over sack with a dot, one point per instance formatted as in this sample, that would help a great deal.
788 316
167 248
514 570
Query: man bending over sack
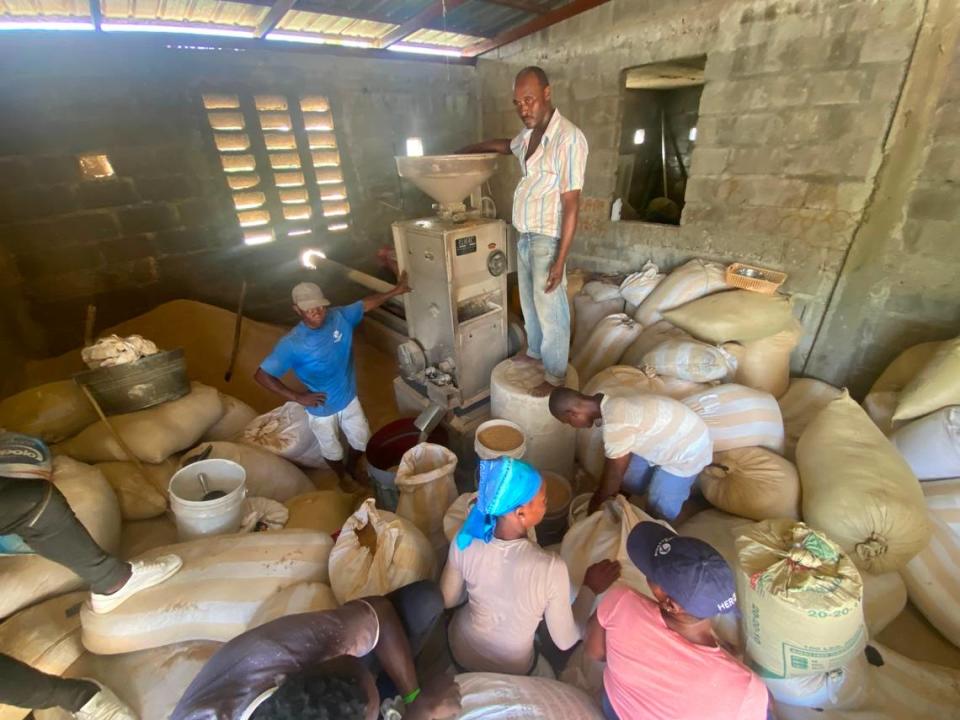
319 351
653 445
663 660
509 582
32 508
322 665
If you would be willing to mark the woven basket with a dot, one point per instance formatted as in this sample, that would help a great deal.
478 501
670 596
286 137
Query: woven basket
766 281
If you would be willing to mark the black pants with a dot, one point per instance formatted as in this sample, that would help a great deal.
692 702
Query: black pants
38 512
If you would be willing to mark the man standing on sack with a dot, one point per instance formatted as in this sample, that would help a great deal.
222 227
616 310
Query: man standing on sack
553 157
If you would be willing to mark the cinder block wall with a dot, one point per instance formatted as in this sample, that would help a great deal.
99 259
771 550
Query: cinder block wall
165 226
794 117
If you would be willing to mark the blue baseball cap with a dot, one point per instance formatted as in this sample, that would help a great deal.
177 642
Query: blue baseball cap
24 457
689 570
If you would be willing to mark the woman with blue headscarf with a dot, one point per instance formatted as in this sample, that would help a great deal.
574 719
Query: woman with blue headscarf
509 582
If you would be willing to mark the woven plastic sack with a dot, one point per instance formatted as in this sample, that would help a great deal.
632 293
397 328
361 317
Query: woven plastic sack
734 316
153 434
804 399
293 600
884 598
859 490
739 416
260 514
215 595
936 386
236 416
685 284
608 341
322 510
490 696
802 599
842 689
427 489
156 474
764 364
905 367
931 444
692 360
651 336
753 483
268 475
637 286
285 431
378 552
140 536
139 499
881 406
589 312
51 412
600 291
45 637
28 579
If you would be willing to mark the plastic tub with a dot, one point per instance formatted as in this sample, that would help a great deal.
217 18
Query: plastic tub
149 381
559 496
196 517
490 453
384 451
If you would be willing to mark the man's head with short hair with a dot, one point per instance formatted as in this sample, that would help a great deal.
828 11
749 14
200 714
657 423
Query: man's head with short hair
532 97
340 689
310 304
574 408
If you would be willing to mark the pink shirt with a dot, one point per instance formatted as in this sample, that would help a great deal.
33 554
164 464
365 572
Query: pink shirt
654 673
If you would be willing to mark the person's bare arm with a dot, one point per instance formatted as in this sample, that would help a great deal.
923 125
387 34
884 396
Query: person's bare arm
276 385
499 145
570 208
595 641
613 471
374 301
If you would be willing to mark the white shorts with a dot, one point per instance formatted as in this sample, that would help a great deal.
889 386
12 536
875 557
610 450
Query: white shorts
350 420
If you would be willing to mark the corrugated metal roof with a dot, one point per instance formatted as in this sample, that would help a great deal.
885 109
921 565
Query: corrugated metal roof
44 8
191 12
440 38
311 22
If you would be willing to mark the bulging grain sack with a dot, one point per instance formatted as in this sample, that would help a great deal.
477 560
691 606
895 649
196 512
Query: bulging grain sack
46 637
881 406
236 416
140 536
905 367
764 364
293 600
322 510
427 489
802 402
157 474
376 553
139 499
637 286
607 342
651 336
153 434
931 577
739 416
285 431
733 316
692 360
51 412
845 688
259 513
936 386
931 444
884 598
859 490
589 311
268 475
801 598
685 284
489 696
753 483
28 579
215 595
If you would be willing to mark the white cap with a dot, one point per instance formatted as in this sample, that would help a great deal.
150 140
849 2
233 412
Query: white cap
308 296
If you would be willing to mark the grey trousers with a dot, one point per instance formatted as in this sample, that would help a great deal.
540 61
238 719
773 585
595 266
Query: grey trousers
24 687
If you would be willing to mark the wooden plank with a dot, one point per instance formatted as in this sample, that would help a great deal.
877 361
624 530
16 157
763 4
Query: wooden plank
273 16
529 28
524 5
418 21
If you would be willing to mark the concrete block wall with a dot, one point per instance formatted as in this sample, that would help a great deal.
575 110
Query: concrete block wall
164 227
798 102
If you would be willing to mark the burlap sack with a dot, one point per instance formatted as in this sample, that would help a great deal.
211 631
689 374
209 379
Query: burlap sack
637 286
28 579
739 417
489 696
764 364
608 340
139 499
214 596
588 312
859 490
268 475
753 483
141 536
931 444
801 597
378 552
884 598
905 367
685 284
733 316
322 510
51 412
427 489
804 399
692 360
881 406
285 431
236 416
651 336
936 386
153 434
294 599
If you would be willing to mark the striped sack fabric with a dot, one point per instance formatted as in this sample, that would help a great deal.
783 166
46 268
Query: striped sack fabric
739 416
690 359
688 282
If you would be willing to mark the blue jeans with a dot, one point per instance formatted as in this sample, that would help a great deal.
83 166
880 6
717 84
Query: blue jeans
608 712
545 315
666 492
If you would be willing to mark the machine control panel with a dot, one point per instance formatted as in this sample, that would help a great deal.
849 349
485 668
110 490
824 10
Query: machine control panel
467 245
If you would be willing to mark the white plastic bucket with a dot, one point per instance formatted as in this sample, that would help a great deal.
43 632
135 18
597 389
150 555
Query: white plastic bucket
486 453
196 517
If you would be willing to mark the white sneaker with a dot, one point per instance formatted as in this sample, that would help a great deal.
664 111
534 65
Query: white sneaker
105 706
145 574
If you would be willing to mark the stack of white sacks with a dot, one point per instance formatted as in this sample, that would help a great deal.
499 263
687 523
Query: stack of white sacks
794 458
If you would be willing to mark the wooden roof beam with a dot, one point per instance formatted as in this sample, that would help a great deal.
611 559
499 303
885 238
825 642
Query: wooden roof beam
524 5
535 25
273 17
418 21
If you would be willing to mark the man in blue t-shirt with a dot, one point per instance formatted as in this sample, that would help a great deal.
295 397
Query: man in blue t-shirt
319 351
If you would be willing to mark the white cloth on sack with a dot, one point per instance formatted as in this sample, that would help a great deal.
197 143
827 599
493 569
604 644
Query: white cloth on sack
115 350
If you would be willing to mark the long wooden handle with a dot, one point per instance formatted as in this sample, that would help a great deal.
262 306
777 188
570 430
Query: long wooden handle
116 436
236 333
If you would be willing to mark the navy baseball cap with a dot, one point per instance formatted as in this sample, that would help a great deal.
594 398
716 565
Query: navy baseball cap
23 456
689 570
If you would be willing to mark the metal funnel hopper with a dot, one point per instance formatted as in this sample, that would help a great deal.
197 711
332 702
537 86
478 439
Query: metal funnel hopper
448 179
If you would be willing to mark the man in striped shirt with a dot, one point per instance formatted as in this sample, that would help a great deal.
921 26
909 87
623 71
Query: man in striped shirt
653 445
553 156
